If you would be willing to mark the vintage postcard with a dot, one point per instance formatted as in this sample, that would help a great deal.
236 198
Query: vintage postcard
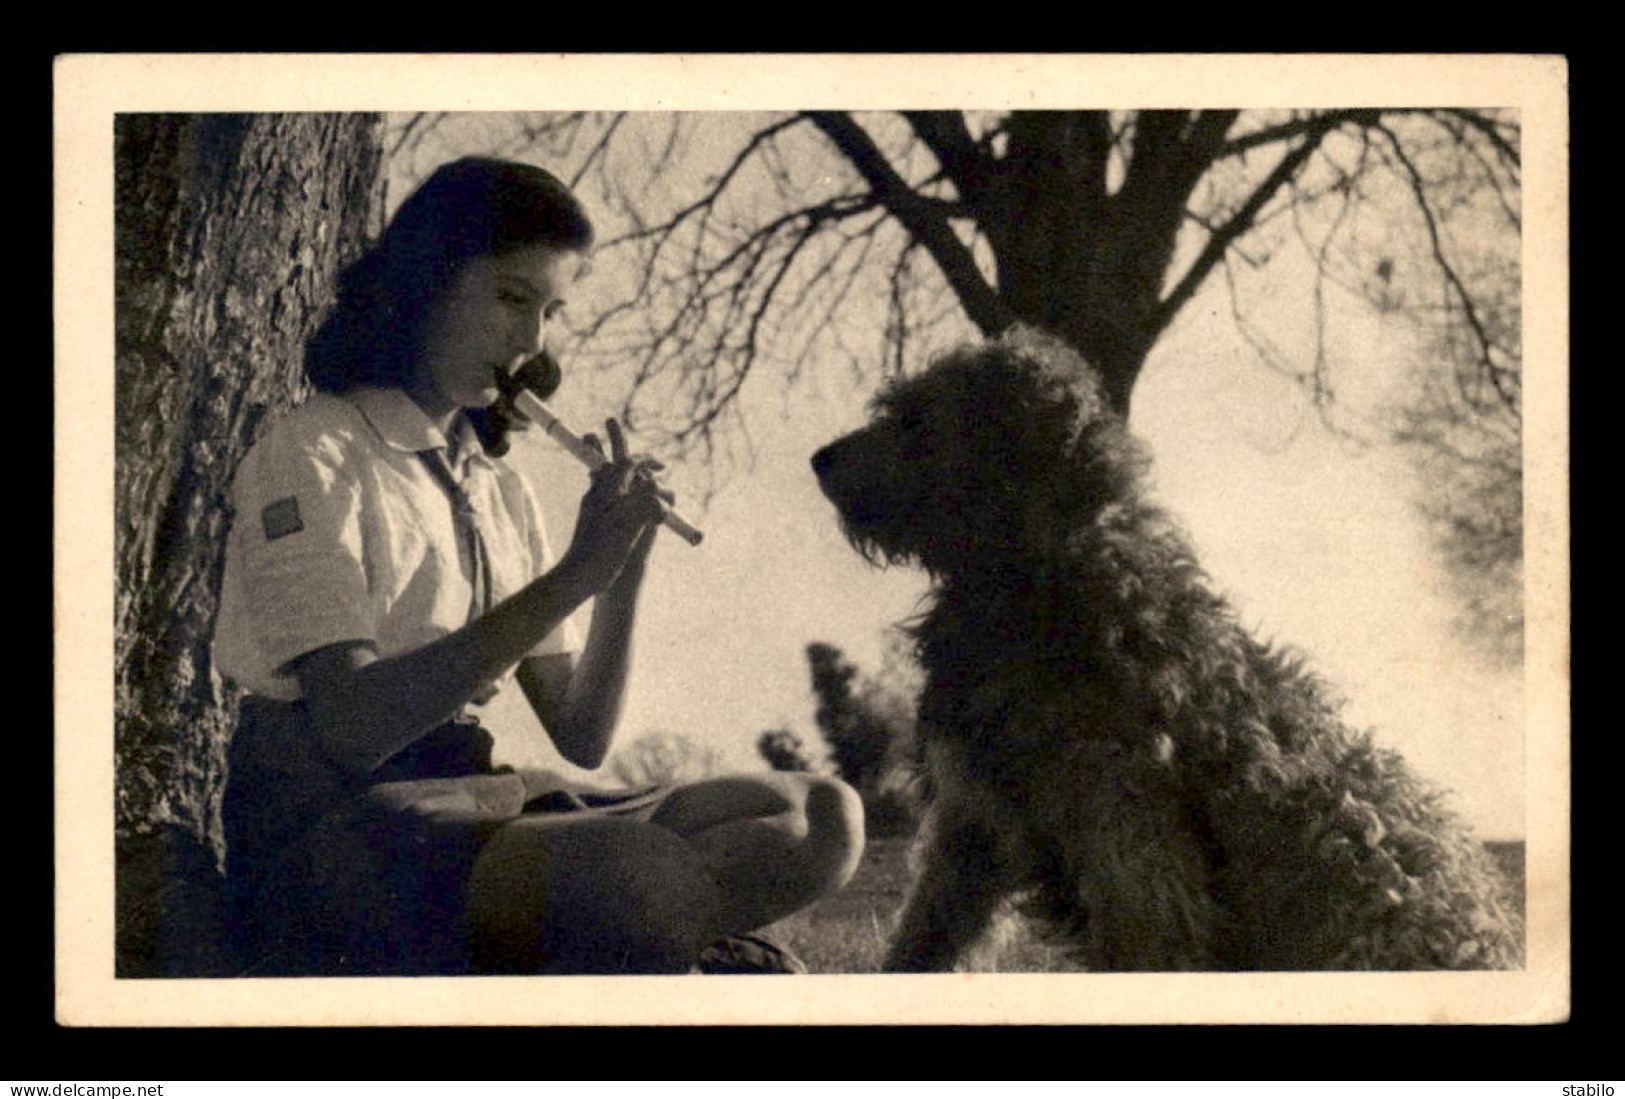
1338 299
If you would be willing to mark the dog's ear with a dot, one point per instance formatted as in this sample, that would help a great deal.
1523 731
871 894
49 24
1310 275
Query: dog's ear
1112 464
1054 364
1104 463
1094 460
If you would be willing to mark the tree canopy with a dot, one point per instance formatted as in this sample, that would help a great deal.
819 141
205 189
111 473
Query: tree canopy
757 231
745 244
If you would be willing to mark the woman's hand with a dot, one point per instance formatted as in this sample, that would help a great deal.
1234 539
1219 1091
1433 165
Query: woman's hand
619 517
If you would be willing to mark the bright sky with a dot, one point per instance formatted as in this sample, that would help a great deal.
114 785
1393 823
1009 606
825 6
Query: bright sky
1313 539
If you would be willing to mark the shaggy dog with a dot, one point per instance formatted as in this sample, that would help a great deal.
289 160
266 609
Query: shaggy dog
1100 737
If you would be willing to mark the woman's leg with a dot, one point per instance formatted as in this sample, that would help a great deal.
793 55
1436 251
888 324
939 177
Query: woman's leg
589 894
774 843
597 894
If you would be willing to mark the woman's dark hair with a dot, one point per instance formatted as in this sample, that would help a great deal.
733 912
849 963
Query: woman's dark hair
468 208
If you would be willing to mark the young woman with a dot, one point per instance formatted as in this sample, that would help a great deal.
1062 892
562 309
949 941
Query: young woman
387 573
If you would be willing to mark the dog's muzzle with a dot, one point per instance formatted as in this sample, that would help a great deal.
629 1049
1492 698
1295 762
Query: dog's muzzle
834 476
824 459
845 475
833 465
824 464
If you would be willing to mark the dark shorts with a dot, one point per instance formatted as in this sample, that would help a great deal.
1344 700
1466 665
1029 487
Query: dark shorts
332 875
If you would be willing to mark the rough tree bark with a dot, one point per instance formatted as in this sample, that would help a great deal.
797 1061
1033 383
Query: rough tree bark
229 230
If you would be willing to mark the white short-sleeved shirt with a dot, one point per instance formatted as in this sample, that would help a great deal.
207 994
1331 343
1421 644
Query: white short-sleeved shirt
341 533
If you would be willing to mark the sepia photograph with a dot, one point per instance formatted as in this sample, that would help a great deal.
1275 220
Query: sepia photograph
990 538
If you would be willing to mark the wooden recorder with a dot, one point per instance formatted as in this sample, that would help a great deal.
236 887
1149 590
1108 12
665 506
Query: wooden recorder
538 377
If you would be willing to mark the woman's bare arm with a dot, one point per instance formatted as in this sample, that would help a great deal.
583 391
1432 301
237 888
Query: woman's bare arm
579 703
366 709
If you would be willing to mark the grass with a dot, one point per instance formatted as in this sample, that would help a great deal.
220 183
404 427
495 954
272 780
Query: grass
848 933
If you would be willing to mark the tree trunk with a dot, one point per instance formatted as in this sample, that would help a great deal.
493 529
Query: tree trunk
1075 255
229 230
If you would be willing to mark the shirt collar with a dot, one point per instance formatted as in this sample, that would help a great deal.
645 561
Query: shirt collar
403 425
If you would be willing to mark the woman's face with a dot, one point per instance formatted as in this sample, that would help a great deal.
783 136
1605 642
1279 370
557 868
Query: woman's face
493 316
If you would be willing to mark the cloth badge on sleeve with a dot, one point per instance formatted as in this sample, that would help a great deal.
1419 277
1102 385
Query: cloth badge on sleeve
281 518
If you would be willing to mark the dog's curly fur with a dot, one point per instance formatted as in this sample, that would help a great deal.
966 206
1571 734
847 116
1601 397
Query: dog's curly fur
1101 737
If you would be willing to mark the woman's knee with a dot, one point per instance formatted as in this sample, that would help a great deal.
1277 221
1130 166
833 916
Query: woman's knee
835 832
590 896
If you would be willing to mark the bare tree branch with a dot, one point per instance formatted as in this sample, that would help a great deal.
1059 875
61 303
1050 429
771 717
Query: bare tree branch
1206 136
922 221
1452 123
1507 150
845 283
1486 346
598 150
714 192
1320 121
412 133
732 295
752 341
1244 217
946 135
